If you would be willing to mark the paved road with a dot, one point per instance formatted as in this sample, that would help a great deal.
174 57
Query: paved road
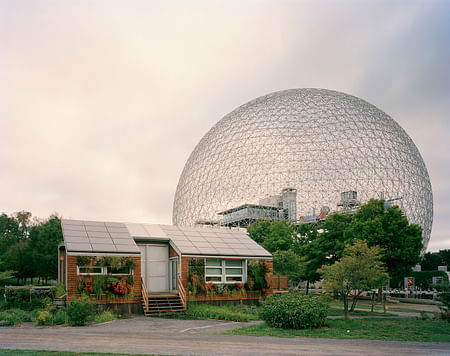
194 337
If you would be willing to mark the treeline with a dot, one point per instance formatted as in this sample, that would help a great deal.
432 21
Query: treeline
431 260
29 247
302 251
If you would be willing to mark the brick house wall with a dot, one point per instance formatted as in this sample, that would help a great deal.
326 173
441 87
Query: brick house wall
72 281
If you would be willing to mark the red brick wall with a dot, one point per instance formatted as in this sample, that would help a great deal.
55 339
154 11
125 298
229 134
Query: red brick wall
71 276
72 281
172 252
250 295
184 271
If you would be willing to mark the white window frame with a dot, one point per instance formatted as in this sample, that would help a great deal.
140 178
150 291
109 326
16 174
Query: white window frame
104 271
223 275
91 273
117 274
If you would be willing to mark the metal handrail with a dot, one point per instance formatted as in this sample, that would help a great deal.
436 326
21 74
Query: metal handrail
144 294
181 292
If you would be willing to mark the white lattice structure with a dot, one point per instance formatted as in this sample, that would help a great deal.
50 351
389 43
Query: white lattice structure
318 141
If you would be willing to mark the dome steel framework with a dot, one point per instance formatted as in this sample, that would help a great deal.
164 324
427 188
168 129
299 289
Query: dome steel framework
318 141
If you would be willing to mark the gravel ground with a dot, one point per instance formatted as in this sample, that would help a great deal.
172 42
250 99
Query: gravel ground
194 337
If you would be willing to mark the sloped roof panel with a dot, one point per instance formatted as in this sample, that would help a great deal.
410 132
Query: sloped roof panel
95 236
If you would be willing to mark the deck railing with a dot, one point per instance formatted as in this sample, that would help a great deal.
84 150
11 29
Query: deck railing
181 292
144 294
280 283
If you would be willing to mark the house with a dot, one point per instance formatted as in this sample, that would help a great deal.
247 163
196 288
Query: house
161 267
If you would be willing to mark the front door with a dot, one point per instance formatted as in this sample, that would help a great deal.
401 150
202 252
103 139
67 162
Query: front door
173 274
155 267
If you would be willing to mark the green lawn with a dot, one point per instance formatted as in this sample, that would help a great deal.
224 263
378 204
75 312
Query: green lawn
402 329
363 305
340 312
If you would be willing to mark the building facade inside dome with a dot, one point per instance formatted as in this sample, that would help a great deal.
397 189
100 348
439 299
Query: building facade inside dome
333 150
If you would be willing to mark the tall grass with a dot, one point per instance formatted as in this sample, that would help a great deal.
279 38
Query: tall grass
223 312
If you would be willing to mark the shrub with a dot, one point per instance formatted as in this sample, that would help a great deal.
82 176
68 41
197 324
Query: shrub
225 312
423 279
44 317
14 317
59 290
294 310
105 316
60 317
257 271
23 298
79 311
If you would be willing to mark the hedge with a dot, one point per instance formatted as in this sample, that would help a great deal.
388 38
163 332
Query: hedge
26 299
294 310
422 279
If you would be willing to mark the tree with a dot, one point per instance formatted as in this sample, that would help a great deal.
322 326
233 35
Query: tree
445 255
359 269
431 261
288 263
9 232
323 244
388 228
17 259
44 240
273 235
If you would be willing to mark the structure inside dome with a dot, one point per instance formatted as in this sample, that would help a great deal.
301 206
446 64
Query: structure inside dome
334 150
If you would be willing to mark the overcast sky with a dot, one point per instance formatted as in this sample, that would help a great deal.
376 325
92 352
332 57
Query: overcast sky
101 102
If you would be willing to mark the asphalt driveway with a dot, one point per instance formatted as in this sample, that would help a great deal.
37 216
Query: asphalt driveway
194 337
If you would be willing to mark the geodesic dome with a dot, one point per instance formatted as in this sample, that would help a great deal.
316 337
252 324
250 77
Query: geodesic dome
320 142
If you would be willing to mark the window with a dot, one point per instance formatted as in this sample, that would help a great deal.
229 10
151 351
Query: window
103 270
118 271
224 271
90 270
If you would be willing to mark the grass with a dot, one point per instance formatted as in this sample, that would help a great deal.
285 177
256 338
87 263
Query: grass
224 312
336 304
104 317
401 329
340 312
14 317
194 311
7 352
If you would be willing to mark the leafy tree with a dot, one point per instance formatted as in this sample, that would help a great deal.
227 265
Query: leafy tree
288 263
322 245
387 227
17 259
9 232
431 261
359 269
28 247
445 255
44 240
273 235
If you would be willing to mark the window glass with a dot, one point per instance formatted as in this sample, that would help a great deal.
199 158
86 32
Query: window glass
213 270
90 270
122 270
234 271
224 271
212 263
233 263
213 279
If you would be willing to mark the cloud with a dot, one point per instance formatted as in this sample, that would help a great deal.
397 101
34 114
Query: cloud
102 102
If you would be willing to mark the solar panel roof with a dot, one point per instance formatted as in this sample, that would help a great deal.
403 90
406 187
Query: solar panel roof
202 240
105 237
97 236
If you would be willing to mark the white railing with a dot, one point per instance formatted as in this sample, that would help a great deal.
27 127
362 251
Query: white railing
144 294
181 292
